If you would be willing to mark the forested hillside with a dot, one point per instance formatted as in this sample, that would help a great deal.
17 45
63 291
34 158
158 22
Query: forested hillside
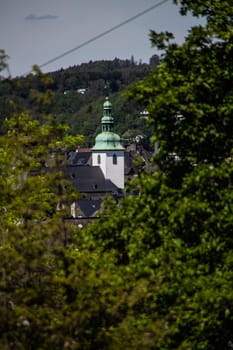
77 96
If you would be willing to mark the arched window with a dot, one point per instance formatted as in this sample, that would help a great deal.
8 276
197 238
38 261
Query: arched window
98 159
114 159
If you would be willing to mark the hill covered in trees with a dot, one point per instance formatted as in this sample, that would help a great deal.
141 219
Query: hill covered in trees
77 96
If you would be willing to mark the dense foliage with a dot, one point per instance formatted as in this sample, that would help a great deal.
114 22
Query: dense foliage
34 239
170 248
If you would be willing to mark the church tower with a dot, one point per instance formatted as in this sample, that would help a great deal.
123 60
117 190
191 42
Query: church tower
108 153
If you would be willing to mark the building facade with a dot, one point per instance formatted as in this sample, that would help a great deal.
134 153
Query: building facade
108 152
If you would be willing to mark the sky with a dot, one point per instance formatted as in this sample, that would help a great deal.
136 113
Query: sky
37 31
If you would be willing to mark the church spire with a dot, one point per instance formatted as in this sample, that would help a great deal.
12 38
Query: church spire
108 152
107 139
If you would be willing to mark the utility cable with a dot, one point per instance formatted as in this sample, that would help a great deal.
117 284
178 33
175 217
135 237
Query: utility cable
103 33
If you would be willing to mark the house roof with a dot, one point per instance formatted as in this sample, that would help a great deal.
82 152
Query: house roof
89 207
79 158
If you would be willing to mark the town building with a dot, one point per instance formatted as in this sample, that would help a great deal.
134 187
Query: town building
97 172
102 170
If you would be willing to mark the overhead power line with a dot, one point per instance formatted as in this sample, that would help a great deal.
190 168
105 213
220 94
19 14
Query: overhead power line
103 33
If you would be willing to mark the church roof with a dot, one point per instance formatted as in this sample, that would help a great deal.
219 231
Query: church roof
89 179
108 140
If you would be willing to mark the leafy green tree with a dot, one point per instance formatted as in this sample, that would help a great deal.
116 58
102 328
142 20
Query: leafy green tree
168 281
34 239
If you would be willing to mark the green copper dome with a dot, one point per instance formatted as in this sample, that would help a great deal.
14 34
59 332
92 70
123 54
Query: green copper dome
107 140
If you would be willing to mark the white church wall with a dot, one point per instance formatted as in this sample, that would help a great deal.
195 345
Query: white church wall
111 171
115 172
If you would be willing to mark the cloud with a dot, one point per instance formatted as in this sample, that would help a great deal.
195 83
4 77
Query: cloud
33 17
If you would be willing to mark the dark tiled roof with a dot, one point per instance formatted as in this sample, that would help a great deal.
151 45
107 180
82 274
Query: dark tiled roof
79 158
89 179
89 207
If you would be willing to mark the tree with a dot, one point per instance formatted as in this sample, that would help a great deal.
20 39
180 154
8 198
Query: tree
3 60
35 243
170 248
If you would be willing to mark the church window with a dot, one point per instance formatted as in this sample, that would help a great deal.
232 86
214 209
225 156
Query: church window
114 159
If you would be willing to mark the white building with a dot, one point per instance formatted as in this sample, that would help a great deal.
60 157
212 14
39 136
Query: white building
108 153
